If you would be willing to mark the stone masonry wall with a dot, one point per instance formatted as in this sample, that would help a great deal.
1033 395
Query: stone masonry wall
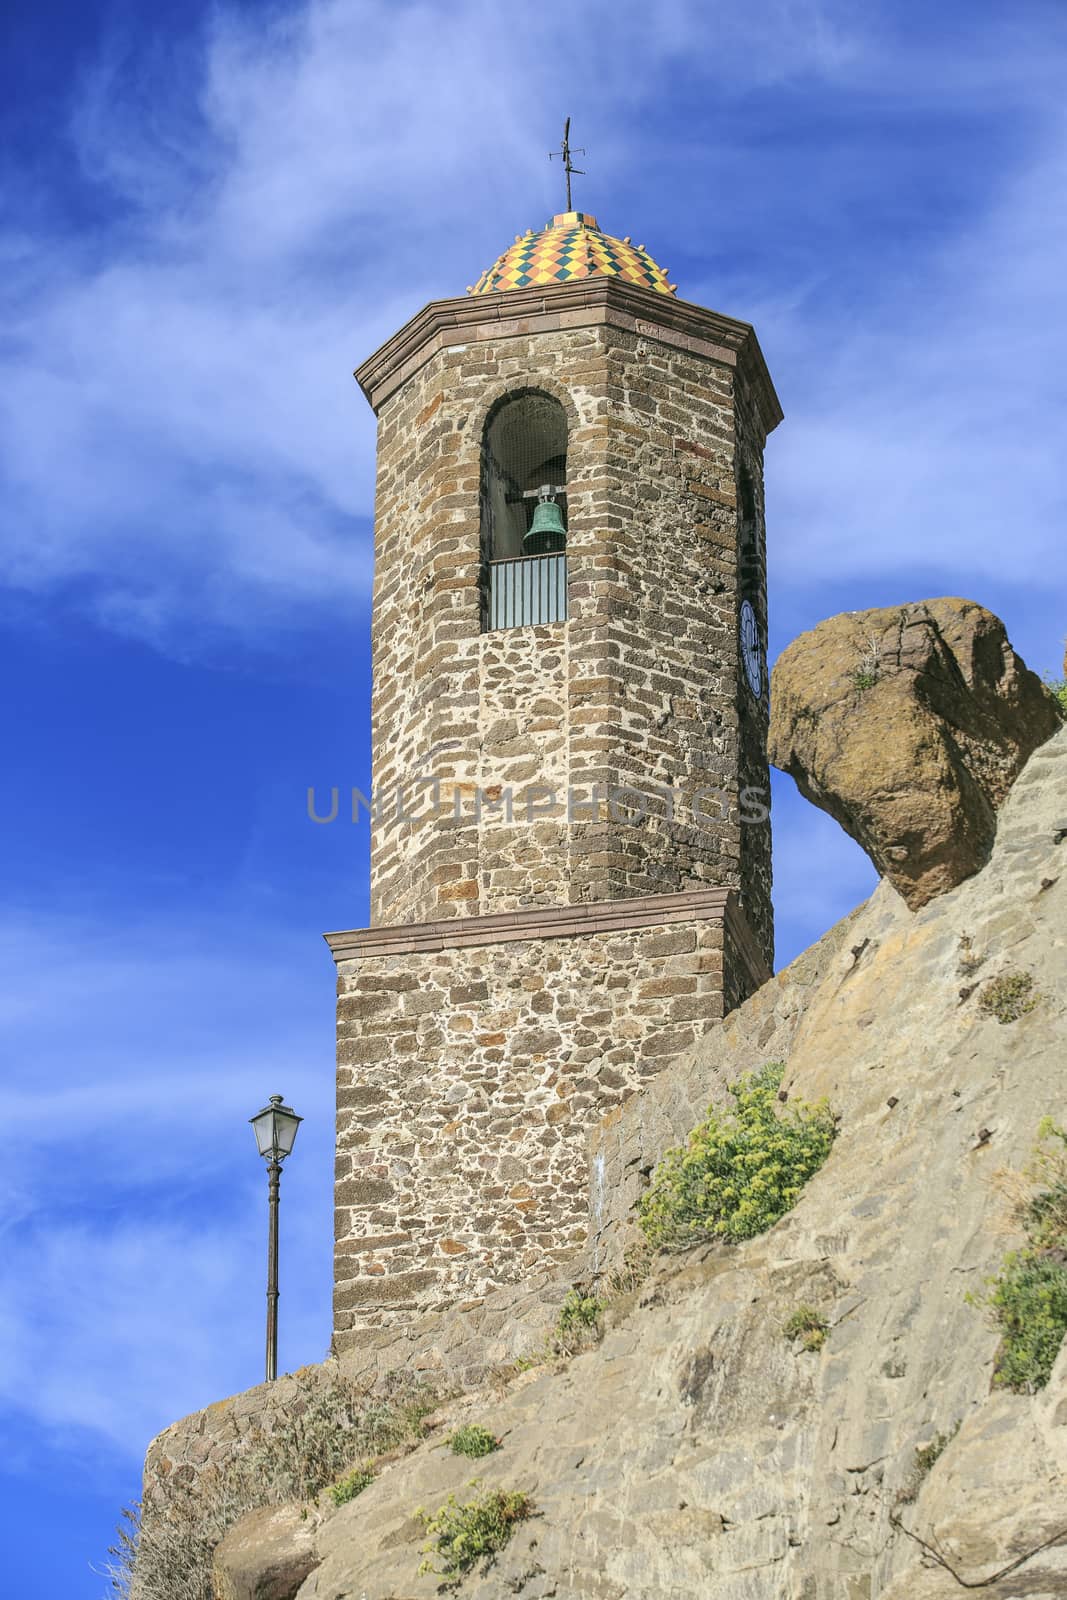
437 681
522 748
680 707
638 688
467 1078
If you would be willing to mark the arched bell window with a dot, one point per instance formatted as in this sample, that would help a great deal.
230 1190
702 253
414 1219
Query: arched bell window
524 511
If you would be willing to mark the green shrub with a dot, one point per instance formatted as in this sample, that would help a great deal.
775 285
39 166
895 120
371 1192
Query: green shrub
741 1169
1008 997
460 1535
353 1483
473 1440
809 1326
1028 1297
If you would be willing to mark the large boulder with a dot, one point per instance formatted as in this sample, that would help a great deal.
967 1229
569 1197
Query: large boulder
265 1556
909 725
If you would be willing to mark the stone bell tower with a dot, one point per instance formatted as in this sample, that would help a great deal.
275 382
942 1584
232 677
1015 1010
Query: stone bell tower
570 859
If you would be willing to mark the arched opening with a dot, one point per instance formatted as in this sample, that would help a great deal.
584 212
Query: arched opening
524 511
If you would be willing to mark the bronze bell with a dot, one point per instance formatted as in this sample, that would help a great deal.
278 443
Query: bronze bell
547 531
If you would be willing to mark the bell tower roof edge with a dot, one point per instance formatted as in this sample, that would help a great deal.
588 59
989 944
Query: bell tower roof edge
589 302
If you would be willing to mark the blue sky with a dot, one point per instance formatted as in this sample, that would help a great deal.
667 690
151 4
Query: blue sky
210 214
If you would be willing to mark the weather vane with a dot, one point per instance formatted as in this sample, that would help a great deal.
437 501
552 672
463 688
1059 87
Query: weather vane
565 152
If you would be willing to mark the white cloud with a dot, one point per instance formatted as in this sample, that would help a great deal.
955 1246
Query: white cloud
122 1328
133 1201
109 1028
927 445
180 426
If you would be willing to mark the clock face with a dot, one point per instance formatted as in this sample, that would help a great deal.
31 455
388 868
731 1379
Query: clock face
751 656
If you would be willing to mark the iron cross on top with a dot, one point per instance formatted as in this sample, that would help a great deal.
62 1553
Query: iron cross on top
565 152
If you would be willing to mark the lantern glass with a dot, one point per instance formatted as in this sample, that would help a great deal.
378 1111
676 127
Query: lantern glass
275 1129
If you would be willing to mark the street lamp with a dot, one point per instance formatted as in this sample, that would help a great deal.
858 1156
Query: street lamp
275 1129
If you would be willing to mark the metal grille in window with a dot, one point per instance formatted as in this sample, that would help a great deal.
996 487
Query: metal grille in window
524 512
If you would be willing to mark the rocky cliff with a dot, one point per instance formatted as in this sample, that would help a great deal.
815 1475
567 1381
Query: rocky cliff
697 1451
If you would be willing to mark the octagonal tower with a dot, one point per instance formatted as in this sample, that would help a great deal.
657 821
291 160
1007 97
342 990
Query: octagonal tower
570 862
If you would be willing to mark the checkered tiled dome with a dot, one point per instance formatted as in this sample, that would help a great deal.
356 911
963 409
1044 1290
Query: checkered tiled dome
571 247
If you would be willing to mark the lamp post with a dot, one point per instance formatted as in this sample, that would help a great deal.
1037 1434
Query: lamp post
275 1129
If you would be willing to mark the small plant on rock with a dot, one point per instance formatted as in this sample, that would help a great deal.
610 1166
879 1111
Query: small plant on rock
968 960
578 1326
1057 688
1045 1213
330 1426
1008 997
869 670
578 1322
354 1482
925 1456
461 1535
741 1169
473 1440
167 1556
809 1326
631 1274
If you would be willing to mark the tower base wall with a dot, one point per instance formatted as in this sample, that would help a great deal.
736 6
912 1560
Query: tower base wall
472 1059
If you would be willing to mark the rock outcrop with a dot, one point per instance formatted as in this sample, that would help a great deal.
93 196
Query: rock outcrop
266 1556
698 1454
909 726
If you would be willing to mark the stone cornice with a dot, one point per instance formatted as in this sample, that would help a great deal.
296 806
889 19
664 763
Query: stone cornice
744 942
557 922
590 302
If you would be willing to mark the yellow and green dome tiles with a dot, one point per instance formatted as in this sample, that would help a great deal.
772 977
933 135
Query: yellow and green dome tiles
569 248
